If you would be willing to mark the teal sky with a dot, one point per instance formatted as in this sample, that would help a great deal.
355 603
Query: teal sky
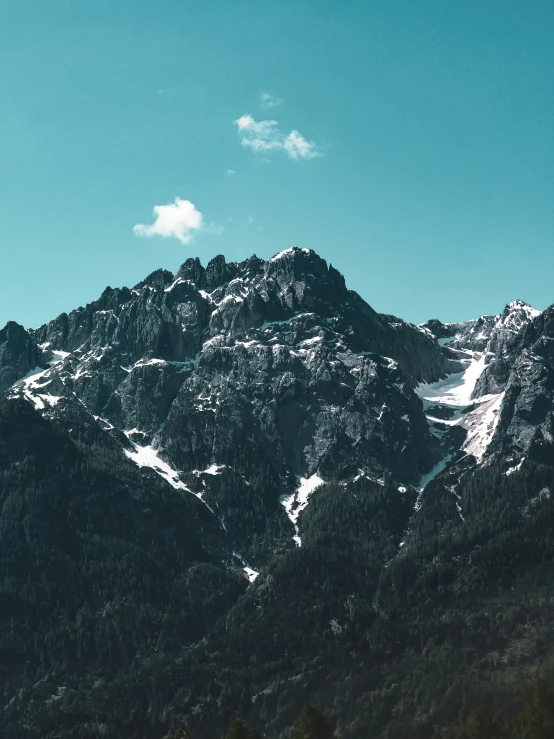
422 166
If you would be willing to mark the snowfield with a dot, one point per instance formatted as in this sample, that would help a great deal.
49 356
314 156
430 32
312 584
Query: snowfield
455 392
296 502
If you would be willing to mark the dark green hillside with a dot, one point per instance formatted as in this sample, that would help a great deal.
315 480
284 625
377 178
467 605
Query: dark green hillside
102 569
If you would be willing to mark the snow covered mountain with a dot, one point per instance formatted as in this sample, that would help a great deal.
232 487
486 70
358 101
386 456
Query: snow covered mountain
276 361
279 360
251 399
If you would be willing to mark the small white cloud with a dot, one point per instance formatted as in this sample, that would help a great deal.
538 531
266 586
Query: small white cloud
263 136
180 219
297 147
259 135
231 172
268 101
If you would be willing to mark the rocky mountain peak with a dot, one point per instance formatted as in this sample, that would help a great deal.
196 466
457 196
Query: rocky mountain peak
274 357
157 279
516 314
192 270
19 354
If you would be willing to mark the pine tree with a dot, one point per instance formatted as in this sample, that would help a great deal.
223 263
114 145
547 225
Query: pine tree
179 733
536 721
239 730
480 725
312 724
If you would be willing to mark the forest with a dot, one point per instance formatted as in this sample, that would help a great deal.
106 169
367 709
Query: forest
120 615
533 720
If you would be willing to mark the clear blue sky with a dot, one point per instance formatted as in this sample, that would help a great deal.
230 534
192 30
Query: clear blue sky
423 167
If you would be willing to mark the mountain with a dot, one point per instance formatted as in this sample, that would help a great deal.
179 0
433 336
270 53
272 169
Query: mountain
219 371
237 487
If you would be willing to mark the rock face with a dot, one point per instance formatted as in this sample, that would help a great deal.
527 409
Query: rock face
279 363
504 382
526 423
260 365
278 355
19 354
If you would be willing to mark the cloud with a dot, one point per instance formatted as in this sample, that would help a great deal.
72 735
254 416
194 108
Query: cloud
231 172
265 136
180 219
268 101
297 147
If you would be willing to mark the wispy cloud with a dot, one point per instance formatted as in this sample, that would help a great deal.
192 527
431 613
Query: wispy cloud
180 219
268 101
261 136
231 172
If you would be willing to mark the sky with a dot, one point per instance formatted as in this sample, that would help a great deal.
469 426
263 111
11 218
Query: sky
411 144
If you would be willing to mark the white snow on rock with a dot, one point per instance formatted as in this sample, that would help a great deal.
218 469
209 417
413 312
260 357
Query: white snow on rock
59 355
109 425
455 392
147 363
214 469
147 456
30 386
514 307
478 416
516 467
176 281
456 389
32 378
481 425
296 502
426 479
248 571
282 254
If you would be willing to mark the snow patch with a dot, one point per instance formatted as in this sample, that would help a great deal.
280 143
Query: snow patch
481 425
296 502
175 282
309 342
214 469
517 467
426 479
52 400
457 388
148 362
248 571
282 254
147 456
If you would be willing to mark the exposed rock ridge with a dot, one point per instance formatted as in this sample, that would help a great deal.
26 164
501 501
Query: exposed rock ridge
19 354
